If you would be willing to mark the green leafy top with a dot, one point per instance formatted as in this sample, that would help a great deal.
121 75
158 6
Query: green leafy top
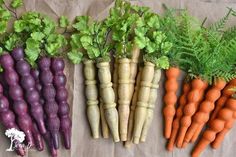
153 41
90 40
122 19
6 13
40 35
203 54
16 3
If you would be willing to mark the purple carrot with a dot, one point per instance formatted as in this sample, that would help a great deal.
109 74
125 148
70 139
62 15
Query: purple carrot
59 81
7 118
49 94
38 86
47 137
37 138
28 84
16 94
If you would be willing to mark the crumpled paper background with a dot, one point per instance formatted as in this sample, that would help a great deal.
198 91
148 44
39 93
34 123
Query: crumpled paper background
82 143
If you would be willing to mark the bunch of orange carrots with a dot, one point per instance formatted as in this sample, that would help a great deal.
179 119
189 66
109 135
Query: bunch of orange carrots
208 95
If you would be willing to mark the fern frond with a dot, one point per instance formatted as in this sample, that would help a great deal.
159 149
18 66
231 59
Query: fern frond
219 25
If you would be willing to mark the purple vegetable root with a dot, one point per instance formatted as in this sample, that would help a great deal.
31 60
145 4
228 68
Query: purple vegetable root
47 136
59 81
48 139
38 86
37 138
7 118
28 84
49 94
16 94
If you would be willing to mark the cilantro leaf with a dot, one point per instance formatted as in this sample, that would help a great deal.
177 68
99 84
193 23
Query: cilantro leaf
16 3
64 22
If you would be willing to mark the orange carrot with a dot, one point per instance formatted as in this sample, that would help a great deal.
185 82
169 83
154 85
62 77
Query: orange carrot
225 95
205 108
179 113
194 96
228 125
196 134
216 126
170 98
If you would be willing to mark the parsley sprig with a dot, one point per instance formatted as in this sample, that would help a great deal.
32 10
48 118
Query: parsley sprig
89 40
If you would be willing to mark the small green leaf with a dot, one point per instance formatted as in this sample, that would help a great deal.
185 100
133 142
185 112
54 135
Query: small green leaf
38 36
93 52
19 25
82 23
10 43
32 44
4 14
52 48
3 26
86 41
75 56
140 31
151 47
63 21
158 37
153 22
166 47
163 62
75 41
1 2
32 55
1 50
140 41
1 69
49 26
16 3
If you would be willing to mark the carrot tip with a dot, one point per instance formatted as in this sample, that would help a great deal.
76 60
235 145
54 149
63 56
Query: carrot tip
184 144
170 147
